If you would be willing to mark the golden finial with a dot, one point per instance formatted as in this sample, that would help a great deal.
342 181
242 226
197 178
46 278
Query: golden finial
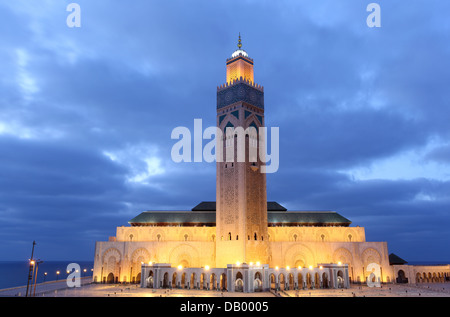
239 43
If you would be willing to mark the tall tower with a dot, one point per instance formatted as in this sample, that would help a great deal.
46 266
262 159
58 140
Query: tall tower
241 219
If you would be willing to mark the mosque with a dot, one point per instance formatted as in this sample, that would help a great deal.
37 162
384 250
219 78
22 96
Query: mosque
241 241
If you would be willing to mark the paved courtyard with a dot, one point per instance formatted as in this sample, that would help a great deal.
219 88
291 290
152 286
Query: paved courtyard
59 289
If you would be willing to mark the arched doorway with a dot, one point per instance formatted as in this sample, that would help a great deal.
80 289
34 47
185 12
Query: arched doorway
282 281
418 278
273 283
174 280
223 281
138 278
239 284
300 280
193 281
257 283
202 281
340 279
325 280
110 278
150 280
183 280
308 280
317 280
166 280
291 281
212 281
401 277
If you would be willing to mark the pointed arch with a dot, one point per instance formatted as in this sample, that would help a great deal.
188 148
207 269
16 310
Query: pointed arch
299 253
184 254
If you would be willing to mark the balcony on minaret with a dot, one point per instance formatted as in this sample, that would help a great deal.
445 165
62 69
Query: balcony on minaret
240 85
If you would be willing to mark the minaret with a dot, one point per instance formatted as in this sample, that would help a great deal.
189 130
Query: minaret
241 219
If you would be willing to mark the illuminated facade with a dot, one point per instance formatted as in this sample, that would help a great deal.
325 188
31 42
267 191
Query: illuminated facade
241 241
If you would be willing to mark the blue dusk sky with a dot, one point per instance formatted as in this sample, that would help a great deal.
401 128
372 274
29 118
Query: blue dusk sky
86 115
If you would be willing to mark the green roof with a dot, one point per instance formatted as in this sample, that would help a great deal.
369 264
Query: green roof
394 259
211 206
307 218
276 216
174 217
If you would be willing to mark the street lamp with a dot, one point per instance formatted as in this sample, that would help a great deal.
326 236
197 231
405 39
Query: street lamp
57 274
35 275
31 269
31 275
45 276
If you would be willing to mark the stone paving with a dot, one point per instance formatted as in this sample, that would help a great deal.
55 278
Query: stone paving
60 289
394 290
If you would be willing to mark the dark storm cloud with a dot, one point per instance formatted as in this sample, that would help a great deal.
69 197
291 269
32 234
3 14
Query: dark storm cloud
86 114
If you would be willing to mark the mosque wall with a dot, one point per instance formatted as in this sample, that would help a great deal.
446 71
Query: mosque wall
121 257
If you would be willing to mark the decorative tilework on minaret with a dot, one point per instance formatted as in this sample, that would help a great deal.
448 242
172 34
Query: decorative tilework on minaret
241 218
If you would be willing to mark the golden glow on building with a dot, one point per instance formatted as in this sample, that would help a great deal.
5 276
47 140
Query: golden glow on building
240 65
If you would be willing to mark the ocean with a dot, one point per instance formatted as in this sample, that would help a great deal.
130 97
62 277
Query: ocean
15 273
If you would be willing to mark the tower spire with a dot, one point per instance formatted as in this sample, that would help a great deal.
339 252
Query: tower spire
239 43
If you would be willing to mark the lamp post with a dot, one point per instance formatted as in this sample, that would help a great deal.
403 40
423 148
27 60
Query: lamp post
57 274
31 269
35 275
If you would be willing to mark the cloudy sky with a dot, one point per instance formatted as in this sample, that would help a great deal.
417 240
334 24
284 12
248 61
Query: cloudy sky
86 115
